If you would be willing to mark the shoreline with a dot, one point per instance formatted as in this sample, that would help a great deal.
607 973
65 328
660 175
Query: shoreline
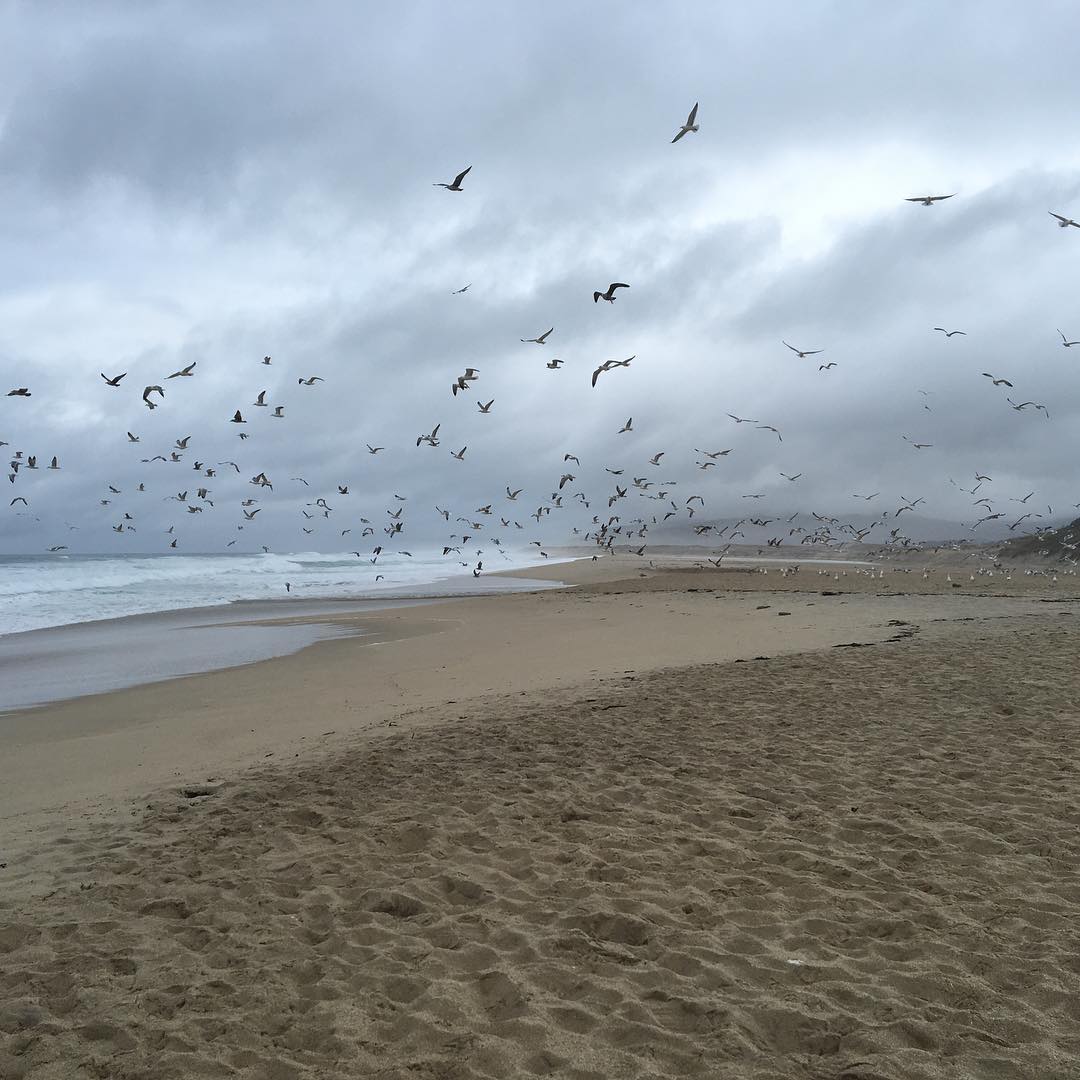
416 664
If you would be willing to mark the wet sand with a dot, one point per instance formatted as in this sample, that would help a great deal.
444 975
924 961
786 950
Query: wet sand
581 834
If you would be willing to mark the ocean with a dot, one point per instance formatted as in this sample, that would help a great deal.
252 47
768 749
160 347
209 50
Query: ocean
38 591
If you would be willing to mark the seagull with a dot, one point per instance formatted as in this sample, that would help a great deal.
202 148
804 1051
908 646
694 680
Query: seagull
1064 222
769 427
485 408
866 498
539 340
690 125
266 360
951 333
741 420
456 185
825 367
115 380
997 382
792 478
929 200
237 418
132 438
310 381
147 391
186 371
459 454
20 392
374 449
54 464
432 439
655 459
464 288
917 445
1065 341
554 364
609 296
607 365
181 444
512 495
250 514
802 352
278 413
714 453
628 426
261 399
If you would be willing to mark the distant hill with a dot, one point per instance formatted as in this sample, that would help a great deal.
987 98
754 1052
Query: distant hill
1060 543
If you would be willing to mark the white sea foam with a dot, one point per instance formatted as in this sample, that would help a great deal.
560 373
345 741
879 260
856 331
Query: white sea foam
57 590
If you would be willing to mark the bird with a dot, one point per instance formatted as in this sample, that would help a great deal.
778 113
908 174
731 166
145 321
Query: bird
741 420
554 364
485 408
951 333
655 459
115 380
917 445
690 125
929 200
1066 342
609 296
607 365
802 352
374 449
456 185
464 288
628 426
181 444
1064 222
278 413
459 454
261 399
769 427
237 418
825 367
432 439
997 382
132 438
538 340
147 391
310 381
714 453
185 371
793 478
19 392
512 495
266 360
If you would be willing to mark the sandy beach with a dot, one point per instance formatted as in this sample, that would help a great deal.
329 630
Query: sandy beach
670 822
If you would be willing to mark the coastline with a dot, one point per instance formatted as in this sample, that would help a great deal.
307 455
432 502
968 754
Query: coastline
569 833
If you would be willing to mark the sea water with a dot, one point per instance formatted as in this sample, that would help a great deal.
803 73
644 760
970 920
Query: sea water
38 591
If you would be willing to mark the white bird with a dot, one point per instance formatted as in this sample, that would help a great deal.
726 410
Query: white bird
800 353
628 426
1064 222
929 200
690 125
1066 342
539 340
184 372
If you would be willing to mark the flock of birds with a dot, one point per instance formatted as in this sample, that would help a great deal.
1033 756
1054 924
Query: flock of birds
614 520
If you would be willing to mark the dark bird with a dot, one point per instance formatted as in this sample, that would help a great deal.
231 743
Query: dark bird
825 367
20 392
554 364
464 288
237 418
951 333
115 380
609 296
456 185
929 200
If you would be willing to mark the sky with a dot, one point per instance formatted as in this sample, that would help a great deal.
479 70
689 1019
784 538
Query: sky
191 183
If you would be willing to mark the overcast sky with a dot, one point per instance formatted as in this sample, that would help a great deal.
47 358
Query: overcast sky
186 182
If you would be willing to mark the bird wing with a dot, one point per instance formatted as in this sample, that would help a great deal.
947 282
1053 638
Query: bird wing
682 132
1058 216
617 285
940 198
461 176
690 120
596 373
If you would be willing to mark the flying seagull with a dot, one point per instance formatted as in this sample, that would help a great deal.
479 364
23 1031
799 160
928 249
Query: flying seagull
432 439
539 340
741 420
951 333
1064 222
20 392
115 380
456 185
609 296
690 125
485 408
826 367
147 391
464 288
185 371
1066 342
311 381
802 352
607 365
997 382
628 426
929 200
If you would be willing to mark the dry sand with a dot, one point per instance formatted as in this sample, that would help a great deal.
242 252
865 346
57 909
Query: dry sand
834 863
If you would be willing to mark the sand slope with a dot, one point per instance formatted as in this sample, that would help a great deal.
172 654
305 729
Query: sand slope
857 864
